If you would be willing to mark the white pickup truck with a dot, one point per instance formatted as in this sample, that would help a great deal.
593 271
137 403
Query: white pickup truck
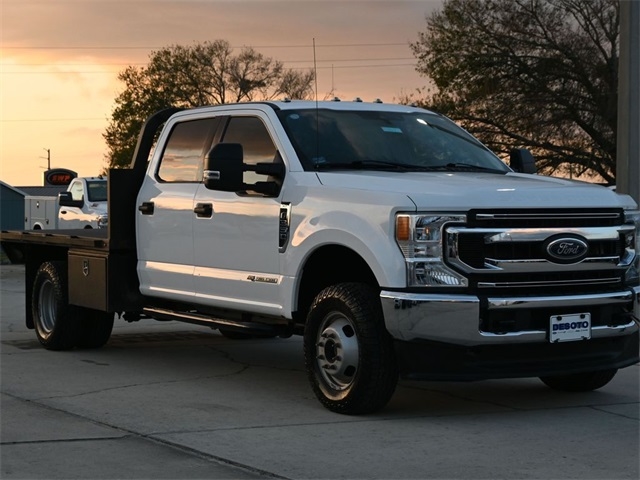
387 236
84 204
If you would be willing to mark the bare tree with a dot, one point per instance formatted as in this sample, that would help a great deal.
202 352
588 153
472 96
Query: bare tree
188 76
540 74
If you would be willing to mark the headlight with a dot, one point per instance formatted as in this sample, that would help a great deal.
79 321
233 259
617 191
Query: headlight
420 237
632 247
103 221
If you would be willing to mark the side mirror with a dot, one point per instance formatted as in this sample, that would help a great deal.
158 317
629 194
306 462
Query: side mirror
521 160
66 200
275 170
224 168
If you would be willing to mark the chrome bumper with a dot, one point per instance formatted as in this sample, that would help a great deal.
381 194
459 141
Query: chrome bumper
455 319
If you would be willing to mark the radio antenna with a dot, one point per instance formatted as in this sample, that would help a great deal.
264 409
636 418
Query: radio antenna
315 76
315 70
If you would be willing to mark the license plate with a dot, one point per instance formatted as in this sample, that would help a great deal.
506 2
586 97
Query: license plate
569 328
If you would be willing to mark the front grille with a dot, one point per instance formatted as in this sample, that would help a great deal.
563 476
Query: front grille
546 218
507 250
473 250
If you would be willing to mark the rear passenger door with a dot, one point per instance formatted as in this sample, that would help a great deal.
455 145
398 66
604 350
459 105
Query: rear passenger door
166 210
236 243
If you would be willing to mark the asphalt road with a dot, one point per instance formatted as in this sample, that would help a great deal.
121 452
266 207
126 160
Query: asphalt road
170 400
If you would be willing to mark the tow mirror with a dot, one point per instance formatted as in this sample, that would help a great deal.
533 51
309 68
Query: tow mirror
66 200
276 170
223 170
521 160
225 167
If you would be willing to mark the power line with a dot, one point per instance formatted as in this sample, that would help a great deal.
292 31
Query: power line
8 120
328 45
104 72
146 63
384 59
373 66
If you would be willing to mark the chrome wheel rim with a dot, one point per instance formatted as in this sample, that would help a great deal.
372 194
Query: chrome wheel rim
337 351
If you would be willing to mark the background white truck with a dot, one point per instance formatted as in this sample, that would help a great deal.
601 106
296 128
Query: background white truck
84 204
387 236
40 212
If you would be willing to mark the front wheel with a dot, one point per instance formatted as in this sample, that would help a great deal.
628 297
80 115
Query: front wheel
56 322
348 352
580 382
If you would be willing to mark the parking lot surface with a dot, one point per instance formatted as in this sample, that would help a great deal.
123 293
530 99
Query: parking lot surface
171 400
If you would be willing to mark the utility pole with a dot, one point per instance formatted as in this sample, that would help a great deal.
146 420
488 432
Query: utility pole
628 141
48 150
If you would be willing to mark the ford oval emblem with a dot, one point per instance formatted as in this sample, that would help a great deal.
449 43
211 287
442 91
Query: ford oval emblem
567 249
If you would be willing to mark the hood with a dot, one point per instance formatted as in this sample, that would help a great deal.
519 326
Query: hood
464 190
99 208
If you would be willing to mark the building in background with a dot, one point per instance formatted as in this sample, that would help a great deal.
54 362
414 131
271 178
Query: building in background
11 207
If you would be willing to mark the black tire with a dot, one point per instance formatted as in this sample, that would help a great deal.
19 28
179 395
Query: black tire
55 321
348 352
580 382
94 329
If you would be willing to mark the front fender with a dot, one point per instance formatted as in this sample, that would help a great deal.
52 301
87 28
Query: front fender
365 226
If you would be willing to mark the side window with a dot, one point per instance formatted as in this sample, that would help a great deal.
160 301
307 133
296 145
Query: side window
257 145
77 191
183 157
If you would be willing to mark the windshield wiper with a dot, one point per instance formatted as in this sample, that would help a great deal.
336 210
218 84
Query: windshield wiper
461 166
404 167
365 165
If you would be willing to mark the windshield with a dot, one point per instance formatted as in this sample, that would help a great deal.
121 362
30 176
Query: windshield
97 191
408 141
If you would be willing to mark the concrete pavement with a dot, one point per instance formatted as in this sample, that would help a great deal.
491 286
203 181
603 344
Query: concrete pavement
170 400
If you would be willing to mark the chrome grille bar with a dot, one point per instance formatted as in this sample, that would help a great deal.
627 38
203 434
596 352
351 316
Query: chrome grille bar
550 283
548 216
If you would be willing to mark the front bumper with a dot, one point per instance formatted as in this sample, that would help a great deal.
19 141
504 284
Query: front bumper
458 319
440 337
425 360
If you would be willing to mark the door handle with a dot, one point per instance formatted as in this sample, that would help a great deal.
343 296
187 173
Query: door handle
146 208
203 210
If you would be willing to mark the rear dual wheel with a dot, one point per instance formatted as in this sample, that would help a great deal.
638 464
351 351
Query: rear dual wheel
58 325
95 328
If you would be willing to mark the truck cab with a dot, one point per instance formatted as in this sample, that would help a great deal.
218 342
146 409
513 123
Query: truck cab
84 204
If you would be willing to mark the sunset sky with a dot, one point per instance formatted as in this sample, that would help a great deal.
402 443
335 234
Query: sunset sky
60 60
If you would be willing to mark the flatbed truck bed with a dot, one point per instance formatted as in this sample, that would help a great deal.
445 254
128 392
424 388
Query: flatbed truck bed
81 238
92 257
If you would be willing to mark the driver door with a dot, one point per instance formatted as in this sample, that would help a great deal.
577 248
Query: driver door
236 244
